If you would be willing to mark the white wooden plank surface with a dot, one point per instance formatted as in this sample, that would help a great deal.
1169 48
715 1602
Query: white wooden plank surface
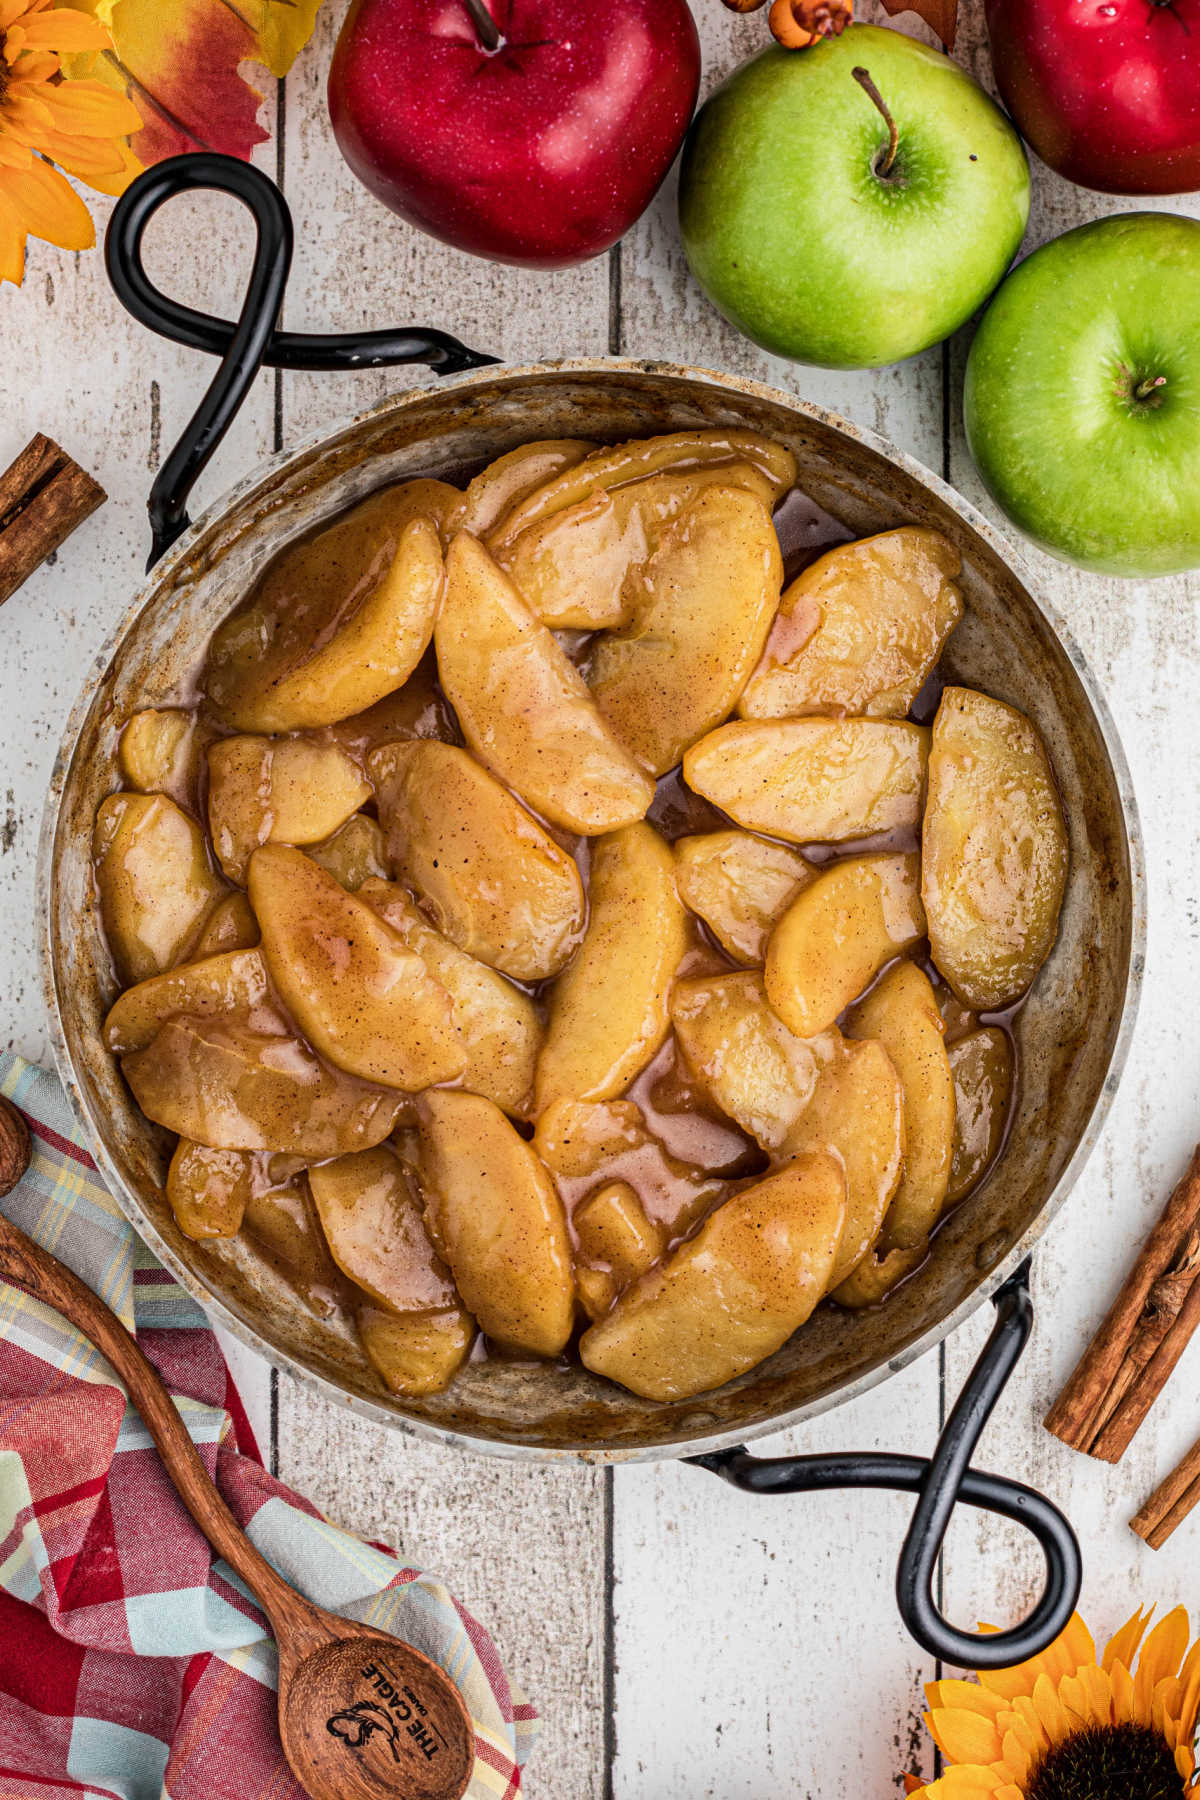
737 1639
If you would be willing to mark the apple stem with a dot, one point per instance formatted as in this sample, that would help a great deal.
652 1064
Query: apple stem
873 94
486 27
1144 389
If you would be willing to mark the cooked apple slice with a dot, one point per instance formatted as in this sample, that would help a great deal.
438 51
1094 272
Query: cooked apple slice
744 1057
231 925
162 752
337 621
859 630
281 1222
491 878
876 1276
857 1114
497 1023
836 937
510 479
155 883
982 1066
577 570
620 1242
608 1010
994 850
616 464
414 1354
497 1220
277 791
235 982
702 609
208 1189
416 710
224 1084
357 992
901 1013
813 780
371 1213
732 1295
584 1141
355 853
740 885
524 708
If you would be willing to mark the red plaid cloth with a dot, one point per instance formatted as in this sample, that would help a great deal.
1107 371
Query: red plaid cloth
133 1664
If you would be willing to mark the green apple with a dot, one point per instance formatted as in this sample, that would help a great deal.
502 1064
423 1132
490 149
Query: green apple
1082 401
818 242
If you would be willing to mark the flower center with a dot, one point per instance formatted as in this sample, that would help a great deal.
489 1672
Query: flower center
1110 1762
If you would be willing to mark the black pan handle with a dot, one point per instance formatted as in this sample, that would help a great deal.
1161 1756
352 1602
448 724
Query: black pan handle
940 1482
252 342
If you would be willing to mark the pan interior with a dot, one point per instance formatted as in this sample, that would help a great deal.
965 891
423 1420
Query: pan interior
1067 1033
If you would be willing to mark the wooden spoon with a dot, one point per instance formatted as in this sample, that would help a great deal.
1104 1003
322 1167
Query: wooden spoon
361 1715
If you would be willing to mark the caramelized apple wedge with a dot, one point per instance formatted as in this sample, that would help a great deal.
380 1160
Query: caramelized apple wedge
497 1023
221 1083
414 1353
733 1294
859 630
578 569
357 992
497 1220
857 1114
162 752
618 1241
490 877
702 607
524 708
836 937
281 1222
982 1066
813 780
608 1011
277 791
740 885
901 1013
338 620
876 1276
510 479
994 850
207 1190
583 1142
614 465
371 1213
745 1058
355 852
154 880
235 982
231 925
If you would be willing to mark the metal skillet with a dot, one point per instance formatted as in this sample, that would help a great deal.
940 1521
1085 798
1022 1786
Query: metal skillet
1072 1034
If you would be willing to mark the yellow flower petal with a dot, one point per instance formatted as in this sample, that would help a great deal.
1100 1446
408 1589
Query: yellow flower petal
64 32
965 1737
1162 1654
1122 1646
965 1782
1124 1697
1057 1722
12 243
14 155
1019 1759
90 109
964 1693
106 164
1190 1691
48 205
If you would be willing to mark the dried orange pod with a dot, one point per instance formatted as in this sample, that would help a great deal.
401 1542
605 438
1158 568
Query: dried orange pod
796 24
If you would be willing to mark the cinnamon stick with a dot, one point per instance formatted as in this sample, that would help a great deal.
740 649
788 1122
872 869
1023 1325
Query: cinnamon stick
1171 1501
1147 1329
44 495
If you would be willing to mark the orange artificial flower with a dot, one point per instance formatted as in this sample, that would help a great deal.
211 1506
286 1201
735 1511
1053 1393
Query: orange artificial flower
1069 1726
46 119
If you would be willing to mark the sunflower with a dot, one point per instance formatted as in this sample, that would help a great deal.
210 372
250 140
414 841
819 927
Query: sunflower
1066 1726
46 119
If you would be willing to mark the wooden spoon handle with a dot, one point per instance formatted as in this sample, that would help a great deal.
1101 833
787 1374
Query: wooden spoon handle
43 1276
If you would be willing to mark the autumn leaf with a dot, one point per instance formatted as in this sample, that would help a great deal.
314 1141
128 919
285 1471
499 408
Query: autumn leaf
941 16
180 61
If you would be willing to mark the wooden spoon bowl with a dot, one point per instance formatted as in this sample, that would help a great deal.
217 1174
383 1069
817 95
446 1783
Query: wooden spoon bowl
362 1716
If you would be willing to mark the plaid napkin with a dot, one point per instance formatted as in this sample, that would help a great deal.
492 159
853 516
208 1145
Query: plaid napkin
133 1664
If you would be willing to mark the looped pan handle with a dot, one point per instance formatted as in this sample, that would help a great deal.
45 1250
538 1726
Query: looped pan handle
940 1483
253 341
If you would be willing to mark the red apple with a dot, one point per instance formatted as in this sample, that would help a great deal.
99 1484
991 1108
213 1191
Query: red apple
1106 91
541 148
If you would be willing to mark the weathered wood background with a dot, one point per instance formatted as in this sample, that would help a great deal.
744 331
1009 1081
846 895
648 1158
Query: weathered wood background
681 1640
